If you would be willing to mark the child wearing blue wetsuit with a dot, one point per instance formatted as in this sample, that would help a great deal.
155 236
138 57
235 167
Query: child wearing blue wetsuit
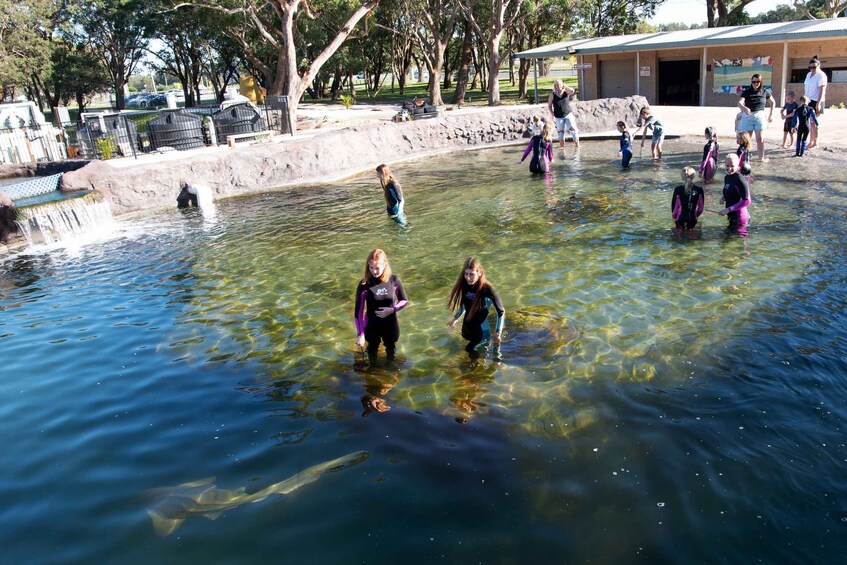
379 296
626 145
711 151
541 146
393 194
473 295
803 117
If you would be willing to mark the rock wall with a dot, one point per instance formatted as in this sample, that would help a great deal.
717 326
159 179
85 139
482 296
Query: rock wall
149 185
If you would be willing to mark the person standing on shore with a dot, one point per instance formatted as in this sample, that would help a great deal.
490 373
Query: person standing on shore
752 103
815 89
559 104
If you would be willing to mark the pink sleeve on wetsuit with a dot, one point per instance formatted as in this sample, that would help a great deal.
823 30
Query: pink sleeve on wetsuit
550 152
677 208
361 315
527 150
701 205
400 305
743 203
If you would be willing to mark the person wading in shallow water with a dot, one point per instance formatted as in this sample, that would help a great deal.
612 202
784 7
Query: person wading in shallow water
559 104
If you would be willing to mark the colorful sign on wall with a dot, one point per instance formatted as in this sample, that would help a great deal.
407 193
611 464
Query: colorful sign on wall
733 75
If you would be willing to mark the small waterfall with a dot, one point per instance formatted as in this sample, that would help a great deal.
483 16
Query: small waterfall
64 220
205 201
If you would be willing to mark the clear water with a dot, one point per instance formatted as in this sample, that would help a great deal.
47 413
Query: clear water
654 399
55 196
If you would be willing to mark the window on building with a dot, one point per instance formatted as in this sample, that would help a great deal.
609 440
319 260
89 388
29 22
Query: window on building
835 69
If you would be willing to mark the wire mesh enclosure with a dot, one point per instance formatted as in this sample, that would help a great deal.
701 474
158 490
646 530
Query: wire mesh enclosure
177 129
236 119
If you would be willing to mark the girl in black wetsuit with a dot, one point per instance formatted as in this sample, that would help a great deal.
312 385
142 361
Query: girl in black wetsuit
379 297
473 295
711 151
687 202
393 194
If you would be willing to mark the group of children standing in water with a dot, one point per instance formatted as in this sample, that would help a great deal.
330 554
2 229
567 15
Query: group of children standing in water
688 200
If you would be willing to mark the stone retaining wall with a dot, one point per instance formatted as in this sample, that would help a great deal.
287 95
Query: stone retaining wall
327 156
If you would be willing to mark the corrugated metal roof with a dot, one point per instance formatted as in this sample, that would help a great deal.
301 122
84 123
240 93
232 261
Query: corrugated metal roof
759 33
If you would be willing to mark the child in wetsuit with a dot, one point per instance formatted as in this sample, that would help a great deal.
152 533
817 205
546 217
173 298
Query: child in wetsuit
393 194
736 194
541 146
803 117
473 295
711 151
787 114
743 152
379 296
626 145
687 202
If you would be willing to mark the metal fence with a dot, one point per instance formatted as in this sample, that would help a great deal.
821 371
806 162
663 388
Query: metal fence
129 134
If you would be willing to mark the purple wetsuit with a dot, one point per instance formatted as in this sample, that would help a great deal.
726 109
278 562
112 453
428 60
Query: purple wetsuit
372 295
710 159
542 154
736 194
686 208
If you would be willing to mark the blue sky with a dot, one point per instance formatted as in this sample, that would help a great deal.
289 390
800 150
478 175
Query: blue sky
694 11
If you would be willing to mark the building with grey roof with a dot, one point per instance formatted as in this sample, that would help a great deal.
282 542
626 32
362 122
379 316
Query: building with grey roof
705 67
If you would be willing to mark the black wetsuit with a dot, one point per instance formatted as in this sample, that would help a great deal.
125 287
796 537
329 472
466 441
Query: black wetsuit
803 116
475 329
394 201
626 148
686 207
371 296
736 194
744 161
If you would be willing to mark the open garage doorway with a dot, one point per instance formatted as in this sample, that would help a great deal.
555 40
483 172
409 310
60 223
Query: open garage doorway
679 83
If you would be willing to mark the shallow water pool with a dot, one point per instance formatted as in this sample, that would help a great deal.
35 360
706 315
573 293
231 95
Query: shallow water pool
654 399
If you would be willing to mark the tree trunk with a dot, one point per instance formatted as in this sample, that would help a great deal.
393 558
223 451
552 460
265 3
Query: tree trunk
494 60
464 65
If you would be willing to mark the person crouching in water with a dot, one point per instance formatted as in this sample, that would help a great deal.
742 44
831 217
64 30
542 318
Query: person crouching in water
647 120
379 296
393 194
626 145
473 295
736 195
541 146
709 164
687 202
804 116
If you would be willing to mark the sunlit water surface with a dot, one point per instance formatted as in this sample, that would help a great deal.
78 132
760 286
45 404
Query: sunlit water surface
654 398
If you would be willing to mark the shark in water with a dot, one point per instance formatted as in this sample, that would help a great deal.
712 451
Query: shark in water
174 505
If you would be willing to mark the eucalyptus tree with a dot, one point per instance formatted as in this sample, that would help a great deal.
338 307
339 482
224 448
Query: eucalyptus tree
720 13
114 30
601 18
490 22
815 9
546 21
26 29
277 23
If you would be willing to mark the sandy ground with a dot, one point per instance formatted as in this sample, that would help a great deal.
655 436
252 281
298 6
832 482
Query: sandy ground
688 121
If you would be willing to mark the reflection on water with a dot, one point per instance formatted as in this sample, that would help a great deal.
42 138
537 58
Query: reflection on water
651 393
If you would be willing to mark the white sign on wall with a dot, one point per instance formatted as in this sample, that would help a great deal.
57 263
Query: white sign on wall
645 71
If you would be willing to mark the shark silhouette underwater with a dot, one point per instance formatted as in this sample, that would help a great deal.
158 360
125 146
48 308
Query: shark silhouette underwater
174 505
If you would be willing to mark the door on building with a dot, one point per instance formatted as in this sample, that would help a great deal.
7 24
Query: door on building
617 78
679 83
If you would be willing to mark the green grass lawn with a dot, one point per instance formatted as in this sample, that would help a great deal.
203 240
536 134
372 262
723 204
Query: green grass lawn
476 97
